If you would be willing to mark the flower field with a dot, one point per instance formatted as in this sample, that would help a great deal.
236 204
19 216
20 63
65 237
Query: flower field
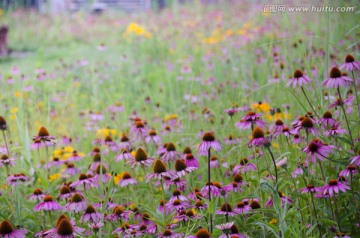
202 120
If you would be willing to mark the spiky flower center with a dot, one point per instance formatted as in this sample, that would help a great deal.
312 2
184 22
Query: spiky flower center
335 72
64 190
180 165
240 205
349 59
234 229
37 191
140 155
258 133
90 209
255 205
203 233
208 137
6 228
48 199
226 207
76 198
298 74
176 193
126 175
307 123
118 210
313 147
100 169
65 228
237 178
187 150
327 115
170 147
152 133
2 123
167 232
244 161
124 138
43 132
4 157
83 177
159 167
108 139
190 213
189 157
333 182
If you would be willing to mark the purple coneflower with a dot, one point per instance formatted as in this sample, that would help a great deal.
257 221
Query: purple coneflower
327 119
181 169
258 138
141 159
37 195
75 156
159 171
244 166
8 231
231 140
119 213
296 172
124 143
318 150
355 160
65 192
207 143
350 64
153 137
215 191
85 181
336 79
170 153
139 130
70 169
249 120
17 178
76 204
170 234
6 160
350 170
306 123
44 136
241 207
201 233
283 198
335 130
231 111
55 162
101 174
298 79
124 155
176 205
309 189
47 205
334 186
230 231
191 161
126 180
91 215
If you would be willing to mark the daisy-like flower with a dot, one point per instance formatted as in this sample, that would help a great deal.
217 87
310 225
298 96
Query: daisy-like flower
279 126
181 169
241 207
124 143
65 193
299 79
249 120
44 136
126 180
350 169
318 150
231 111
307 124
343 102
334 186
207 143
170 153
47 205
214 162
350 64
258 138
139 130
101 174
5 160
296 172
201 233
91 215
153 137
76 204
200 205
327 120
176 205
341 235
119 213
215 191
8 231
159 171
335 130
85 181
284 200
336 79
64 229
355 160
75 157
37 195
124 155
191 161
55 162
244 166
16 179
141 159
232 232
71 170
226 210
170 234
309 189
177 196
231 140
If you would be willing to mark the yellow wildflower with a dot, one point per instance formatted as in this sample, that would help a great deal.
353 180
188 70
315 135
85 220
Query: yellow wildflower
53 177
261 107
